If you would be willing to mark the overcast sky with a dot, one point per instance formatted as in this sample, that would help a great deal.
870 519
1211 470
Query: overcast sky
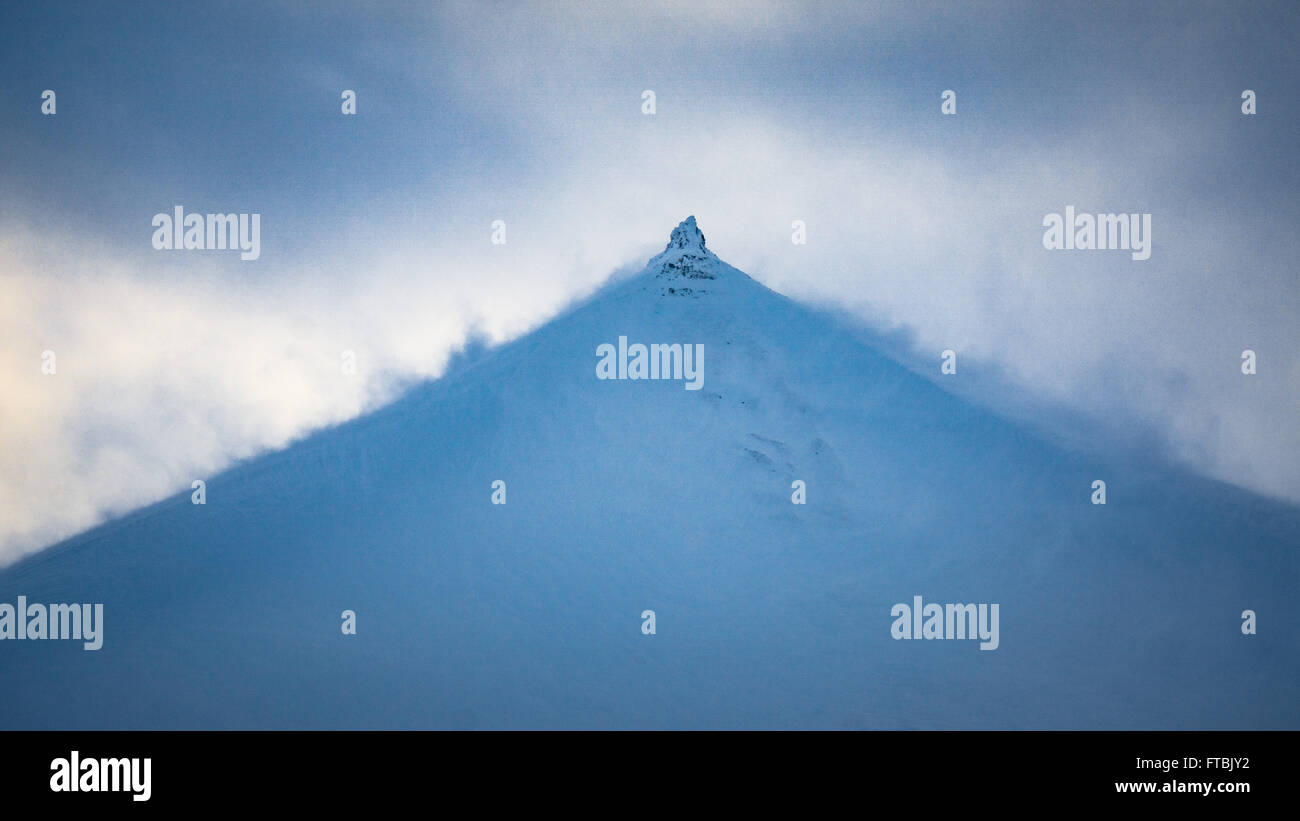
376 227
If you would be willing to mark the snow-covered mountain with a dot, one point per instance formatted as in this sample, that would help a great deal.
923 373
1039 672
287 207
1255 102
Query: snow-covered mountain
627 495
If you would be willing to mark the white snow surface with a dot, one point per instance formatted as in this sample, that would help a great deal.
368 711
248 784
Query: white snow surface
624 496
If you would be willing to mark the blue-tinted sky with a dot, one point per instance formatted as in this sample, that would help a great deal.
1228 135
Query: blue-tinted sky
375 228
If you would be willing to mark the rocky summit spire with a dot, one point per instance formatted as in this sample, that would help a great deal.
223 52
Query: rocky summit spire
685 258
686 235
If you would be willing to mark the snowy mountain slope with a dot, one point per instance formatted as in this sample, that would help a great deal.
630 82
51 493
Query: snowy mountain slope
629 495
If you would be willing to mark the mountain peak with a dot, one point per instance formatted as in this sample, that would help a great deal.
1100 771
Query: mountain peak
685 257
686 235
